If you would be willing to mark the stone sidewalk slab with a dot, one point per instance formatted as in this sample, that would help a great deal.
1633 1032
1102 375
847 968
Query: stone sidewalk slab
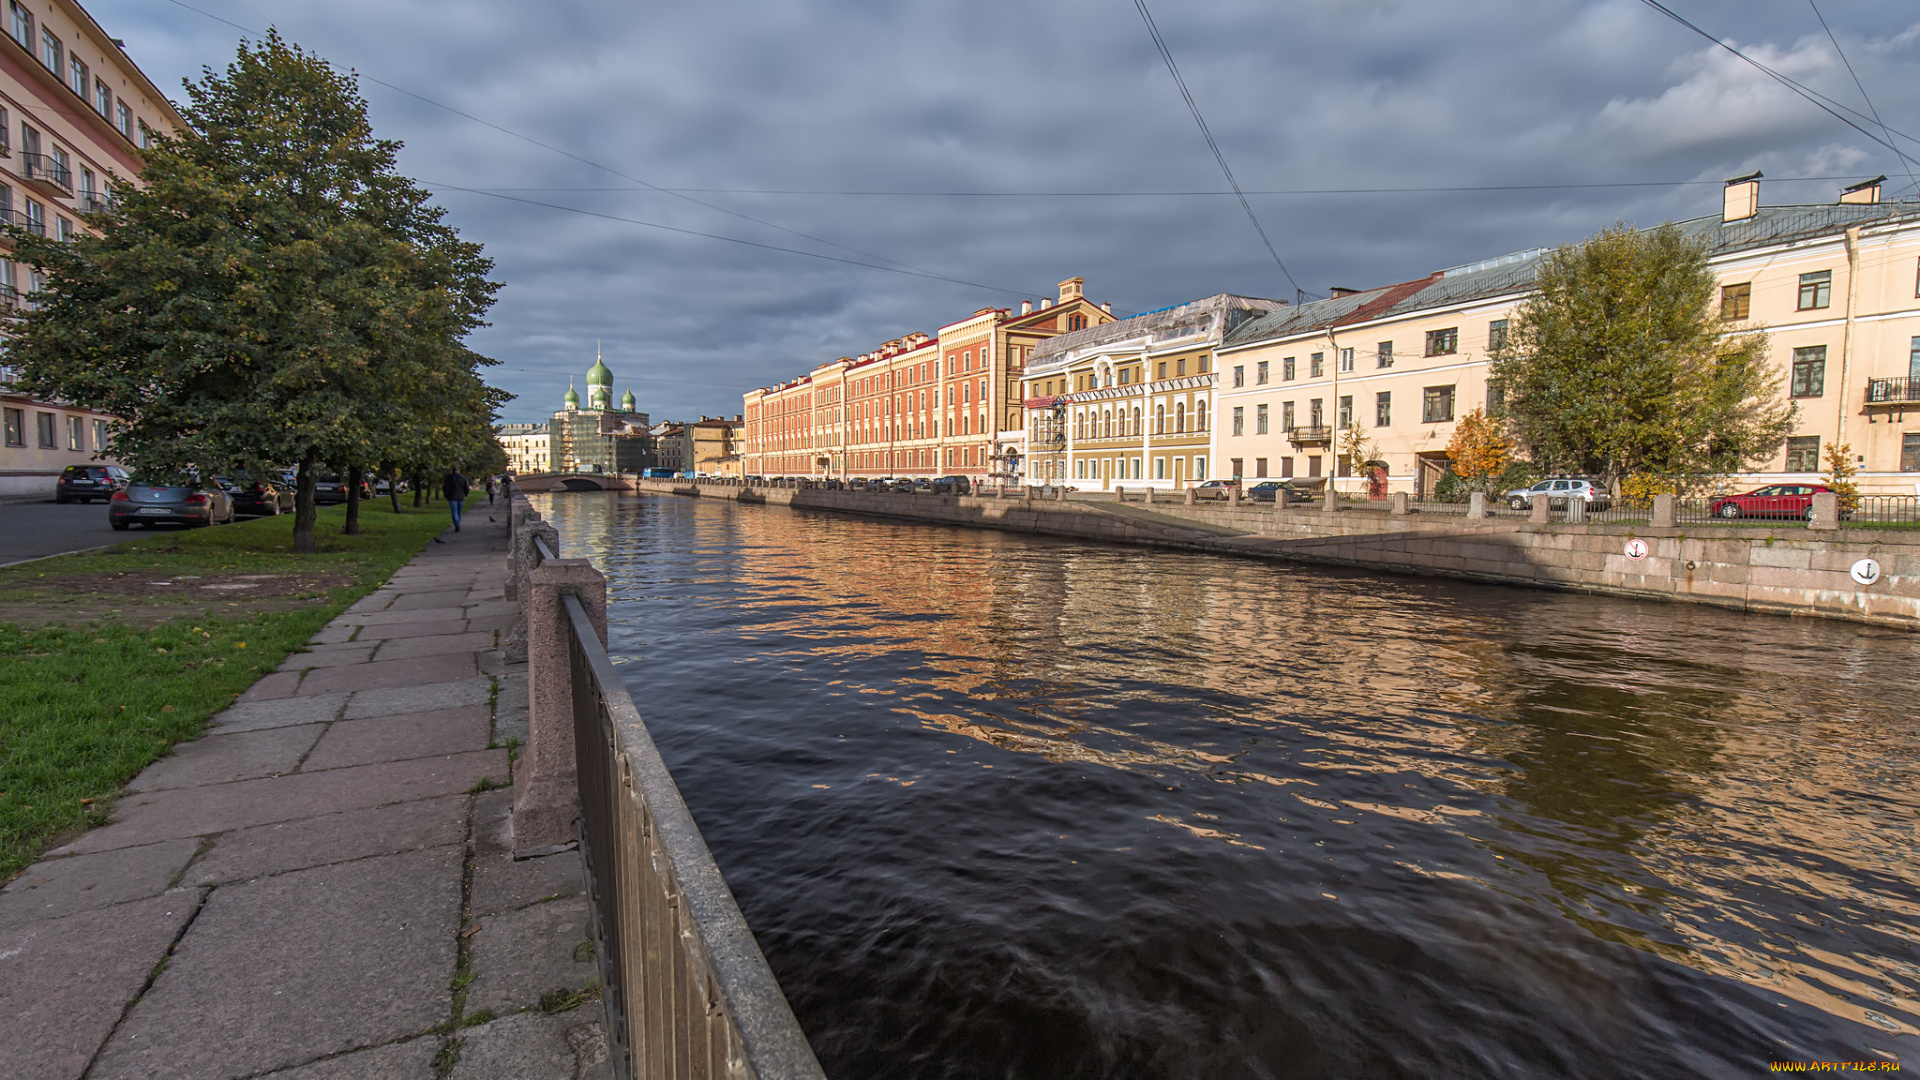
418 615
529 952
280 972
222 758
535 1046
330 656
439 668
281 712
439 628
407 648
56 887
410 1060
61 992
265 850
400 738
392 701
165 815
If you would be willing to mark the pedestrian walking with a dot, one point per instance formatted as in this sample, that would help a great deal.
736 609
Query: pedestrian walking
455 487
490 489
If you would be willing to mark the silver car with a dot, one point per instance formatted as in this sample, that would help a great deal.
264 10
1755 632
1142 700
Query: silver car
1558 492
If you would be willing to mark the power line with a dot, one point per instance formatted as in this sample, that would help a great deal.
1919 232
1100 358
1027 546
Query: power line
1841 53
1174 69
1466 188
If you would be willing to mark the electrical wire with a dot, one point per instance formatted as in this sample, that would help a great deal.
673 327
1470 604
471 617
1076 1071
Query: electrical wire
1174 69
1157 194
1841 53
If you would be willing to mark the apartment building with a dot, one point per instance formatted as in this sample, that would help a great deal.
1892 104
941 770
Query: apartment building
529 447
1130 402
75 113
1836 287
713 446
921 405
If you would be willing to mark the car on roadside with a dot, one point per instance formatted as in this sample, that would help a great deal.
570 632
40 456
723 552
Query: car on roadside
952 485
1300 487
1772 501
256 498
331 490
85 483
1214 489
1559 491
191 503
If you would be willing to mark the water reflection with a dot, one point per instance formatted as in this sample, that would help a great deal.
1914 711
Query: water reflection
1006 806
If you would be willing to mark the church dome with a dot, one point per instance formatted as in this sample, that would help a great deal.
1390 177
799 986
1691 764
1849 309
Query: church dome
598 374
572 400
627 402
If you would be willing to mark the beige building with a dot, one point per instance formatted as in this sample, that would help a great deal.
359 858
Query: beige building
1835 286
74 115
529 447
713 446
1130 402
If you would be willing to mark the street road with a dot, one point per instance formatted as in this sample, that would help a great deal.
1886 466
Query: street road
30 530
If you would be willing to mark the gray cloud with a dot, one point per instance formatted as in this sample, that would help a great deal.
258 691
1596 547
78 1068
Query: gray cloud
1070 96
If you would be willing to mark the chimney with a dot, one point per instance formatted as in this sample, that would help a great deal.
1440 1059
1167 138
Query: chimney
1026 307
1070 289
1867 193
1107 307
1341 290
1046 302
1742 198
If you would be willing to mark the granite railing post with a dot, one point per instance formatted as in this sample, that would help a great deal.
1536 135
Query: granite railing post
1825 513
1542 510
1476 506
1191 497
546 800
1149 496
1331 504
1119 493
1576 511
1665 512
1233 496
519 512
522 559
1398 507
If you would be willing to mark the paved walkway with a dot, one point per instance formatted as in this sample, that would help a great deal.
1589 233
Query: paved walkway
320 887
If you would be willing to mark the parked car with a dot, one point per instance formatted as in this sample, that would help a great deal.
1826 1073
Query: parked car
1558 491
923 486
952 485
194 503
1301 487
904 486
85 483
1214 489
1772 501
331 490
256 498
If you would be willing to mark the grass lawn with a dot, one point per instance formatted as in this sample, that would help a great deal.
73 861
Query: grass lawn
108 658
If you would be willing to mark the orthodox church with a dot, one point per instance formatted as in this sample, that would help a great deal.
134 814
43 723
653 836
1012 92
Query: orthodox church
600 438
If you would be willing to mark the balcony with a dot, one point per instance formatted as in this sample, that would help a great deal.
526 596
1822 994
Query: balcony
1310 435
91 202
46 173
1893 391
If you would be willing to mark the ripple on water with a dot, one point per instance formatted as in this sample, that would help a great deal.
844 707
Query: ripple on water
1016 807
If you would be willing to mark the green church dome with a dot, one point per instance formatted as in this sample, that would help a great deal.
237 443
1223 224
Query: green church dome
626 400
598 375
572 399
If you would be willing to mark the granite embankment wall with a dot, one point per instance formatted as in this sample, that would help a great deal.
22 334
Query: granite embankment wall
1787 569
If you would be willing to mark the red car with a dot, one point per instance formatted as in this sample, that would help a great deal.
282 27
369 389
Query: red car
1772 501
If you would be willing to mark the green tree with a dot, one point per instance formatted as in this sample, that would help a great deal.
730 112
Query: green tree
1480 450
1618 363
271 293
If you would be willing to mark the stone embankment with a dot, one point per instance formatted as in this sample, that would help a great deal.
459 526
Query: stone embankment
1785 569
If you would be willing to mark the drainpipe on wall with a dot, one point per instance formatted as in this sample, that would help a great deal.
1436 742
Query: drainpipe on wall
1846 337
1333 444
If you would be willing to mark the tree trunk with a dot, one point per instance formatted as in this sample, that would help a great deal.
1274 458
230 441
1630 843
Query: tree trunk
393 485
354 475
305 513
418 494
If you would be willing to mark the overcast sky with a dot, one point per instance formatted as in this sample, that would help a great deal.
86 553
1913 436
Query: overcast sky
1005 100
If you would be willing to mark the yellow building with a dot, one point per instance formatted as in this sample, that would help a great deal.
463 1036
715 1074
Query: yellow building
1835 286
74 115
714 444
1129 402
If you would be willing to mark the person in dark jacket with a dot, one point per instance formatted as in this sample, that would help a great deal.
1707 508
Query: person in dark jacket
455 487
490 490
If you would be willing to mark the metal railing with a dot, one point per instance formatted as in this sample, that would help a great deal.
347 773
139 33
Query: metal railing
1309 434
46 169
1892 391
1871 510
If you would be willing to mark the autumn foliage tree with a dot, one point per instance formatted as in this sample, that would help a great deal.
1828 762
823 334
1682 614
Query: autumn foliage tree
1481 450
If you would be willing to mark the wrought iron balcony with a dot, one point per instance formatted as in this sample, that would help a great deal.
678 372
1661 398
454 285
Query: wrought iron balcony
44 170
91 202
1310 435
1893 391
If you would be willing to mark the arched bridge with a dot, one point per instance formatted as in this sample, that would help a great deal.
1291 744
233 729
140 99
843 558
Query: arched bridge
535 483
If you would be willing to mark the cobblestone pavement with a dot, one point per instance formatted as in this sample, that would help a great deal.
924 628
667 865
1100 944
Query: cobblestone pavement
321 887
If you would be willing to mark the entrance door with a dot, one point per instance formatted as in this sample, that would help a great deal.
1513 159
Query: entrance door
1376 482
1429 469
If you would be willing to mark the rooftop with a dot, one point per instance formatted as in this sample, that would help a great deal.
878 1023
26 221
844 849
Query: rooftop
1218 314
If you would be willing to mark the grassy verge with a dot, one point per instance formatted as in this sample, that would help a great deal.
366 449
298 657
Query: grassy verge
109 658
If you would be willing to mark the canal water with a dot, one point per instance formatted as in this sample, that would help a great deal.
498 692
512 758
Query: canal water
1008 806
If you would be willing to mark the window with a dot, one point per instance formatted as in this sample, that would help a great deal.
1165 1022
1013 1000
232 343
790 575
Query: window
1913 362
1260 468
1383 355
1180 367
36 222
1126 376
1239 420
1161 371
1286 468
1344 413
1205 363
1238 465
1200 468
1287 369
50 50
1496 335
123 119
1076 322
21 24
1736 300
1316 365
1286 416
1314 416
1436 405
1803 453
1443 342
77 75
1909 451
65 230
76 433
99 434
1260 373
16 421
1496 399
1239 374
1259 419
146 136
1809 372
1816 290
44 422
1383 409
102 98
1346 359
1313 465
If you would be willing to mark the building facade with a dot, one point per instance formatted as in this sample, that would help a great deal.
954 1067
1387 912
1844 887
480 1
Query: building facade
918 406
1130 402
1836 287
713 447
75 112
529 447
599 438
